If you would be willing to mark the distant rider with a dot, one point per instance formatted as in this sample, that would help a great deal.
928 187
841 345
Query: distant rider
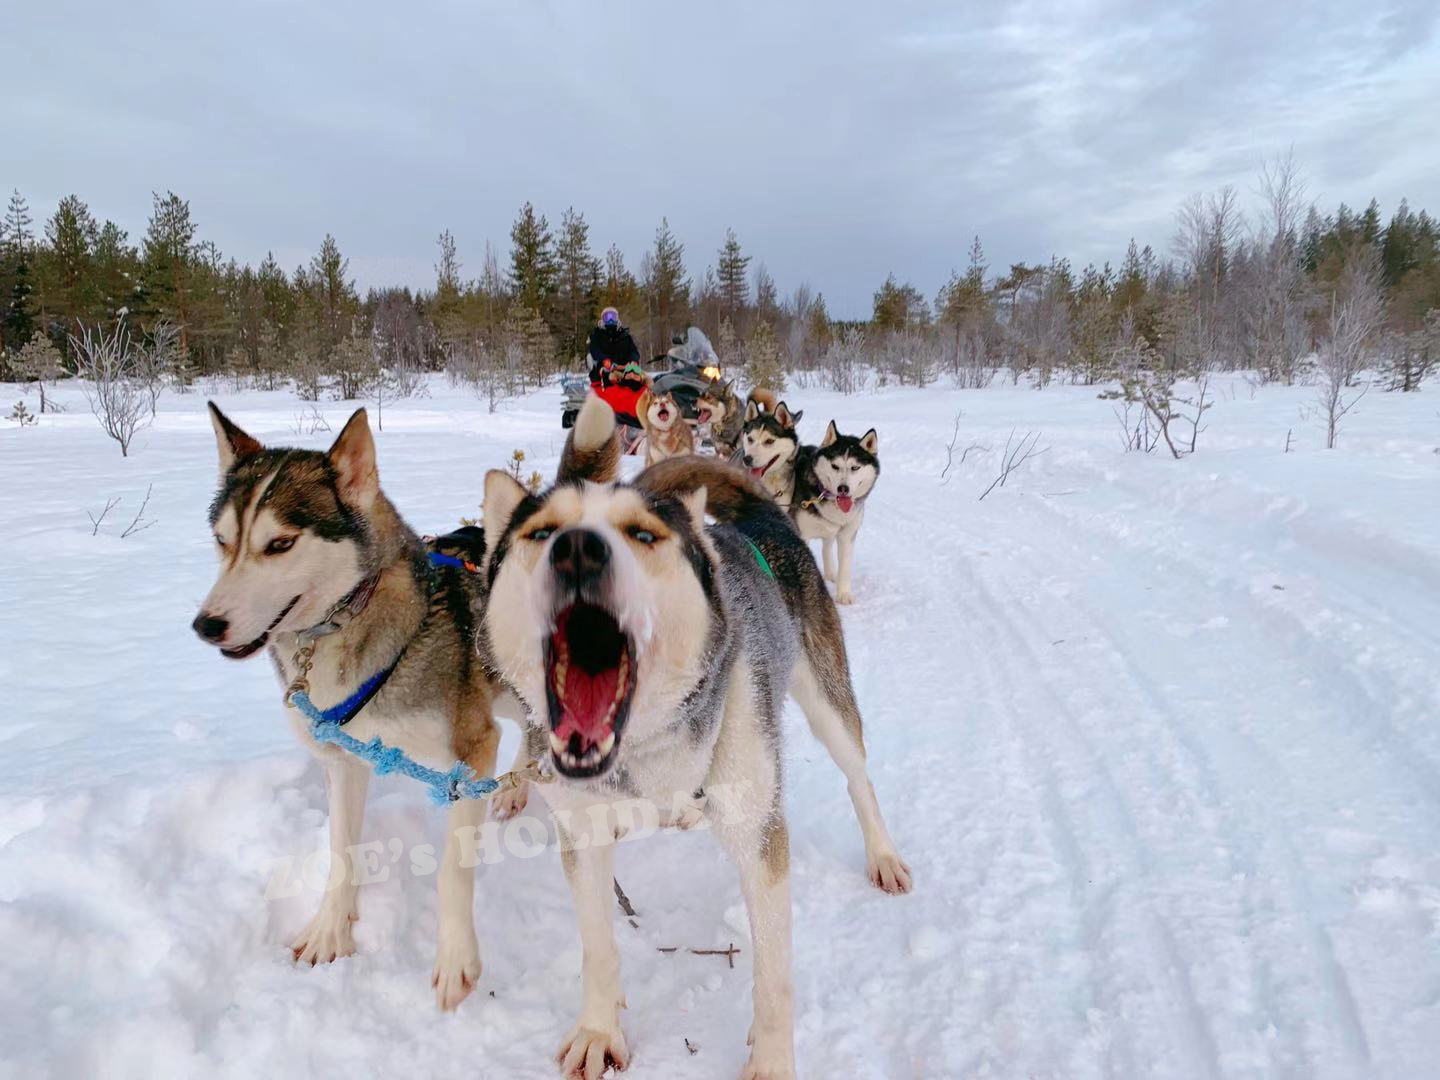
610 348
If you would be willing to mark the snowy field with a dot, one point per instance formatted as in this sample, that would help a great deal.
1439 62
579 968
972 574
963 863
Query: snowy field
1159 740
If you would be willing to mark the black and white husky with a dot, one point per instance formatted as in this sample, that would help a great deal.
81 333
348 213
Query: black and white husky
831 483
769 441
654 653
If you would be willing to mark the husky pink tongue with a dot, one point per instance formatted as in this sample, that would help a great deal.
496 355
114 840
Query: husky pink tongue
844 502
757 472
588 705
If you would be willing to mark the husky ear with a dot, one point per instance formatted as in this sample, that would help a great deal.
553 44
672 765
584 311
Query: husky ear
232 443
727 388
870 442
784 417
503 493
831 434
353 457
642 405
695 503
751 410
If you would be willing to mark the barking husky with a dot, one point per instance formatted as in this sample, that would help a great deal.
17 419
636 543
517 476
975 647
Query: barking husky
655 654
720 408
832 482
312 551
666 432
769 443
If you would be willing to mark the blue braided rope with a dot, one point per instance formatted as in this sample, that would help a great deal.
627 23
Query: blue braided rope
458 782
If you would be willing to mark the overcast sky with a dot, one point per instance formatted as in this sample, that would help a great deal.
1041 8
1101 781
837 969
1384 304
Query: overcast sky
841 140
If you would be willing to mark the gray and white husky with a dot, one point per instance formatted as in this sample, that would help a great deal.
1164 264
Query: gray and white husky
831 483
311 551
654 653
769 441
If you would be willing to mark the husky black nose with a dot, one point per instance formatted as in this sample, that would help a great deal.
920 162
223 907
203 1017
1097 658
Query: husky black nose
579 557
843 489
749 464
210 627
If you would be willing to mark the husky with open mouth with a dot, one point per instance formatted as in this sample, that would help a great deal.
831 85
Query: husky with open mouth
719 408
769 442
832 482
667 434
654 653
311 551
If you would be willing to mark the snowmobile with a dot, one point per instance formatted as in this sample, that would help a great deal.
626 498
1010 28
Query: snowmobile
683 372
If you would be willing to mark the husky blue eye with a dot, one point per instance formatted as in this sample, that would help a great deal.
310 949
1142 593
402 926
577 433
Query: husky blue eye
642 536
218 540
542 533
280 545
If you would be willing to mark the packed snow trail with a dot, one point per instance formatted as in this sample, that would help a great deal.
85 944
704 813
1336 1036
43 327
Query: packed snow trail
1157 738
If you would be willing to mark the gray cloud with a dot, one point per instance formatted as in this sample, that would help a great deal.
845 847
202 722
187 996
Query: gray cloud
841 140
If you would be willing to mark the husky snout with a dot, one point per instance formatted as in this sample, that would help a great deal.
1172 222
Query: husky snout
580 558
211 628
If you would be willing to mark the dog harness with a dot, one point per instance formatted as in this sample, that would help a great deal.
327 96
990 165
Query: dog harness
326 725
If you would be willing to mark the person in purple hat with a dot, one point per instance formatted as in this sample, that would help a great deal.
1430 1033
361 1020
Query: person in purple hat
610 347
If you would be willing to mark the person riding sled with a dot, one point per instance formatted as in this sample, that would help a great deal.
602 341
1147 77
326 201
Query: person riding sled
615 373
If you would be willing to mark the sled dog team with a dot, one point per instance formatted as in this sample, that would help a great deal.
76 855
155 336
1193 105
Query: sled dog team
643 634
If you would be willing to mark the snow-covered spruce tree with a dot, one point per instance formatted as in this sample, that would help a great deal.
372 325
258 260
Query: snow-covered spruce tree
763 362
36 364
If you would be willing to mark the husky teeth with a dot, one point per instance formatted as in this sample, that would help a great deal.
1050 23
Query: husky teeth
607 744
557 744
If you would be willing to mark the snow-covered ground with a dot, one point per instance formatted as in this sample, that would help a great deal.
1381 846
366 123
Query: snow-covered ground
1159 740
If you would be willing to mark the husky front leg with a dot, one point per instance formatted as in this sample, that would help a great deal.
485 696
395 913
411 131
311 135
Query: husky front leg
330 934
762 856
827 550
457 952
846 542
596 1042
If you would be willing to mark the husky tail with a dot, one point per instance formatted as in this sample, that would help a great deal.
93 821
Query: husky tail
732 495
592 450
762 399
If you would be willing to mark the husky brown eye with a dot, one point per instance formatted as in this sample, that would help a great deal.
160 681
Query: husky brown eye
542 533
641 536
279 545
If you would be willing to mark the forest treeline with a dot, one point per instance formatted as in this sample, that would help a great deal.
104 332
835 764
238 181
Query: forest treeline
1262 287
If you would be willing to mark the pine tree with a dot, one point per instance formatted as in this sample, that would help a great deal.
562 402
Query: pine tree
17 287
731 279
620 290
69 290
332 300
578 292
767 301
167 253
667 288
820 329
532 260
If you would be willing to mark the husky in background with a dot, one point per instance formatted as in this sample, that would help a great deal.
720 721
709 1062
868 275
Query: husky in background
666 432
311 551
720 408
768 444
832 482
654 654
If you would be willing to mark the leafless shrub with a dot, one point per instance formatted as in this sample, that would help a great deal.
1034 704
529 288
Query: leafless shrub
1015 455
843 362
110 504
156 360
106 365
139 523
1356 311
309 421
21 415
1165 414
950 449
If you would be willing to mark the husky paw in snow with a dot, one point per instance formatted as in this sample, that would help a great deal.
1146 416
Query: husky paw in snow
889 872
328 937
773 1062
457 970
507 804
844 596
587 1053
